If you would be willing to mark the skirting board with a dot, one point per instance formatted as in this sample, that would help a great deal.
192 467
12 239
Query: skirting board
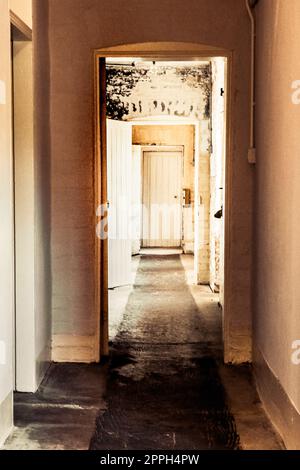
69 348
278 405
238 347
6 418
188 248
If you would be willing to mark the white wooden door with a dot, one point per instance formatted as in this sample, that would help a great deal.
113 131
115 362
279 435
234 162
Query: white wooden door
162 199
136 199
119 160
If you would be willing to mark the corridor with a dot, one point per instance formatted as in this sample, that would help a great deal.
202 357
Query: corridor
126 130
165 386
164 389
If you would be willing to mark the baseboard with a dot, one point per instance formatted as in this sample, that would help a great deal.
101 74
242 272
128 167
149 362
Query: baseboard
283 414
6 418
188 248
70 348
238 346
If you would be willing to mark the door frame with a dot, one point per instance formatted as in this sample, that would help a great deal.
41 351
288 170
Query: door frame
181 121
159 51
164 148
25 376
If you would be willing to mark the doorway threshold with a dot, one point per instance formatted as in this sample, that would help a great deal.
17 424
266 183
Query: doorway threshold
161 251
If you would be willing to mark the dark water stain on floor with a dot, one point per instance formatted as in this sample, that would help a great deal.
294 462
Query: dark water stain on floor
164 391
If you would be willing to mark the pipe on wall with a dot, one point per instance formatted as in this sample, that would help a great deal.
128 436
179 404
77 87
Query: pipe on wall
253 3
250 4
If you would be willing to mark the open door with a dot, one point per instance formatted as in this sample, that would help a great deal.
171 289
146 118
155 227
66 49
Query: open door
136 199
119 184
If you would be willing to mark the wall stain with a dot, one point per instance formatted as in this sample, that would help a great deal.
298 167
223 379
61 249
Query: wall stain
164 390
144 91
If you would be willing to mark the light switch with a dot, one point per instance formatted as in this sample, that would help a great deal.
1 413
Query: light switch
2 353
2 92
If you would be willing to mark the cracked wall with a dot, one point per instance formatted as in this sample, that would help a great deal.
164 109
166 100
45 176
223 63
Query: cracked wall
135 91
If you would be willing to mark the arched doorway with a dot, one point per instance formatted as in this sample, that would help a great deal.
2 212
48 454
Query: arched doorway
161 51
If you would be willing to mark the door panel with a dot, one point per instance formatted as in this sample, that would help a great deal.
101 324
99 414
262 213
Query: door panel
119 159
136 199
162 201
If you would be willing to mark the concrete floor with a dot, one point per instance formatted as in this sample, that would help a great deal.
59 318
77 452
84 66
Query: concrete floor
62 414
165 387
167 355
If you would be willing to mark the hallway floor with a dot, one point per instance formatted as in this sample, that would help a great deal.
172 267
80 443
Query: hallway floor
164 390
165 386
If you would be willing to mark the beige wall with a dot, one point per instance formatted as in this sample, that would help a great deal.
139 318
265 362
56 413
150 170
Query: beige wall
202 203
6 231
33 328
42 200
277 225
7 333
76 27
24 215
23 9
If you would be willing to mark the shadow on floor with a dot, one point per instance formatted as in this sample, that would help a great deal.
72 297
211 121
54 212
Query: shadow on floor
166 385
62 414
164 388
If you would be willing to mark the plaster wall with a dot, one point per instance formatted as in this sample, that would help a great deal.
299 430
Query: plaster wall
277 224
42 182
34 321
76 28
24 215
217 182
6 232
7 307
37 322
33 328
164 89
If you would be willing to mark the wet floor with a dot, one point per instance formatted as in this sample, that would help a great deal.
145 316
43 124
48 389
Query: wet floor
164 391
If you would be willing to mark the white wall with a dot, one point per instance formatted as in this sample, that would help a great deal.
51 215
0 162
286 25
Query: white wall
202 203
23 9
42 175
216 23
6 228
24 214
217 174
32 333
277 266
164 89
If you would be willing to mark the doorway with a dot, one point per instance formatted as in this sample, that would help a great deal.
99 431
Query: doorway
161 202
151 160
